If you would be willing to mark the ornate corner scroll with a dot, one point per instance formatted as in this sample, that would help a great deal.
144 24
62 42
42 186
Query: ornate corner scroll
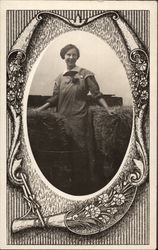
15 89
140 92
16 171
109 207
79 21
139 82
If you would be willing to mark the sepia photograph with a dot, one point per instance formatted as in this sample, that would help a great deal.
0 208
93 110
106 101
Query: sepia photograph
78 125
79 135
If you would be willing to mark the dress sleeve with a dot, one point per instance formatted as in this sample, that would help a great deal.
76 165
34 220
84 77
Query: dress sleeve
93 87
53 100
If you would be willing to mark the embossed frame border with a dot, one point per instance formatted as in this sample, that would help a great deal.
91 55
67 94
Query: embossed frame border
138 122
97 213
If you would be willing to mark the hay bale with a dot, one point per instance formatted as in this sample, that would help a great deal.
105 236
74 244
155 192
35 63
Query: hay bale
112 134
47 131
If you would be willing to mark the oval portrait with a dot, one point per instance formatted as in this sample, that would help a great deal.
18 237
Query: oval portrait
79 113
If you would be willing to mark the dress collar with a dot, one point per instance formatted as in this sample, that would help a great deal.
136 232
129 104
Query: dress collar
75 69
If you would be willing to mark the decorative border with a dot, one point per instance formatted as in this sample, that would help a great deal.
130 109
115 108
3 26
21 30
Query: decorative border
109 207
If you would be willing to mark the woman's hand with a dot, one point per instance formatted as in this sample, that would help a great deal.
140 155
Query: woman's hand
104 104
110 112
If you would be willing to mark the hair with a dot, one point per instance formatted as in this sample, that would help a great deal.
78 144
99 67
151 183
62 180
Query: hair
65 49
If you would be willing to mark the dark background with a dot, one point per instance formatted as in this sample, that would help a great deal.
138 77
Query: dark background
53 148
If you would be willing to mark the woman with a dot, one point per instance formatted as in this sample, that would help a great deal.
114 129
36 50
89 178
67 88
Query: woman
69 96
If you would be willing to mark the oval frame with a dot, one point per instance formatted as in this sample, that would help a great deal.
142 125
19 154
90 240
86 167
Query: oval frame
26 131
96 213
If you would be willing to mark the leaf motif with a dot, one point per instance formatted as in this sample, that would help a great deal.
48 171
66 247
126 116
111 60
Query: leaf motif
139 165
16 165
91 221
87 222
76 223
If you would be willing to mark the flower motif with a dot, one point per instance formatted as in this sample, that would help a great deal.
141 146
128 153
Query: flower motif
92 211
11 95
20 78
14 66
114 210
141 66
11 83
103 198
143 82
104 218
135 93
119 199
118 188
144 95
19 94
135 77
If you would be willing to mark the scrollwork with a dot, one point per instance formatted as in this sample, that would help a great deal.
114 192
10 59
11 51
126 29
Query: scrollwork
140 79
140 173
110 206
14 96
140 91
16 81
78 21
104 211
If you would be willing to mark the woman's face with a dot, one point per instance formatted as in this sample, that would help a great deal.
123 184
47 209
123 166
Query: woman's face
71 57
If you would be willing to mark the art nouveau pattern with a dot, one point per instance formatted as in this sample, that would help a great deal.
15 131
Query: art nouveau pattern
99 212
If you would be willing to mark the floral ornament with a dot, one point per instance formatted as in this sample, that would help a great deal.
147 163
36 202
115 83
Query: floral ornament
117 188
139 79
92 211
112 210
11 83
104 218
144 95
118 199
11 95
14 66
103 198
20 78
15 83
19 94
135 93
103 211
141 65
143 82
135 77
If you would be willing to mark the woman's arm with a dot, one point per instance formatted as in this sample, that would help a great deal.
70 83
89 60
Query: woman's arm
52 101
103 103
95 91
43 107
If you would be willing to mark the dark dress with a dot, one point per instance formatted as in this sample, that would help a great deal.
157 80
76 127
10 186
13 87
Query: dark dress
69 96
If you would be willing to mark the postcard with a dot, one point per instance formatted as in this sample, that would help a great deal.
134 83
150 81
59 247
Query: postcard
78 124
